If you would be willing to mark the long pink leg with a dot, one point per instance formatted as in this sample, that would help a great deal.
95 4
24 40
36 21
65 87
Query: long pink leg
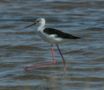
61 55
43 64
53 55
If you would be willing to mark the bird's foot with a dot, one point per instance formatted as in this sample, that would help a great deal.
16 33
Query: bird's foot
55 62
39 65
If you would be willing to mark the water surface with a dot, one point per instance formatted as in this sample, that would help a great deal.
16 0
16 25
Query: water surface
22 47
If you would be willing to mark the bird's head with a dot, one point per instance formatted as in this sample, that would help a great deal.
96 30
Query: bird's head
39 22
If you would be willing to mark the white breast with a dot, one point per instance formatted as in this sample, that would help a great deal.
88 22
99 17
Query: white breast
49 38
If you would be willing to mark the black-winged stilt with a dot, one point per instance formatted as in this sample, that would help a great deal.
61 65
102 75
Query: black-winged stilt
52 36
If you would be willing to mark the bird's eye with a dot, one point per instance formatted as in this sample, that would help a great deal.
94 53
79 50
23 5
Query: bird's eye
37 21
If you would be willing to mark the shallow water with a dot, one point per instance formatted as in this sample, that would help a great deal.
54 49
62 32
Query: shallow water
22 47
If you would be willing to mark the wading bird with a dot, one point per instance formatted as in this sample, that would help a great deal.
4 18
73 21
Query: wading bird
52 36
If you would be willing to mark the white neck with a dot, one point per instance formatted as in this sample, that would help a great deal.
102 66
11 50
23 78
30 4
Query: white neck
41 25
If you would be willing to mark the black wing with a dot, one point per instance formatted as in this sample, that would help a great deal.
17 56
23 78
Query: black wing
59 33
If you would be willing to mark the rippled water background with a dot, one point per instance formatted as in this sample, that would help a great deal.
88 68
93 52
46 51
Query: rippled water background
21 47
